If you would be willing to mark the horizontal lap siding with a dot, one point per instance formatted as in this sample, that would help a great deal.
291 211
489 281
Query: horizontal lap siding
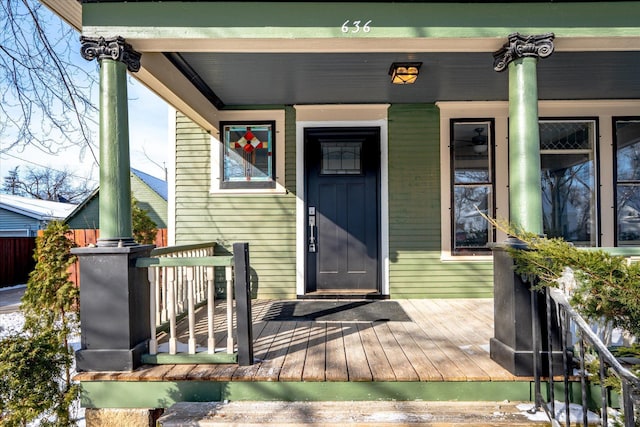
267 222
416 269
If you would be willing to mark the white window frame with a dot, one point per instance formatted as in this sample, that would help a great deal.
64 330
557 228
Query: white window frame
603 110
461 111
240 116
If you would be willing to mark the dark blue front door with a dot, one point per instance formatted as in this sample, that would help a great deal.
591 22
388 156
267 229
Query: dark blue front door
342 209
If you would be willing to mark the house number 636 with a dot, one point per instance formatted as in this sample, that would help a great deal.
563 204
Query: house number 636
356 26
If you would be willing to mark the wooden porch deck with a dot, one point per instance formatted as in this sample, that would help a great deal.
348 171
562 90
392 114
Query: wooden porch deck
444 341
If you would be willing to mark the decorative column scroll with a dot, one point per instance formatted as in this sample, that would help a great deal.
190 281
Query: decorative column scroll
112 48
519 46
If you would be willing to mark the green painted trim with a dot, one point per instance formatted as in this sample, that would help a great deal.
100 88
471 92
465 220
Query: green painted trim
206 261
324 20
180 248
154 394
115 181
188 359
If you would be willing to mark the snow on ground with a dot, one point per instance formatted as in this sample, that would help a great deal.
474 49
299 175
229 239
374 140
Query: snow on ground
13 322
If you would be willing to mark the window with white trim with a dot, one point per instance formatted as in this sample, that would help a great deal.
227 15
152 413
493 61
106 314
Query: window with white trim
472 182
248 155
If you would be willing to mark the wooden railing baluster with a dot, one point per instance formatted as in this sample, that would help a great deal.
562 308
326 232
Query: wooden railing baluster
153 342
171 281
181 280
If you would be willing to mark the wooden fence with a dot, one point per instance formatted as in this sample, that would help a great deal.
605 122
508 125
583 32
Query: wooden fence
86 237
16 260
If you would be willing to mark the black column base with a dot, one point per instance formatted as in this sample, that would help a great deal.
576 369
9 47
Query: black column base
512 345
114 308
110 360
520 362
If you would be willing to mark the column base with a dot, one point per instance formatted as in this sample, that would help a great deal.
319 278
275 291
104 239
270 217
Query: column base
520 362
116 242
110 360
114 308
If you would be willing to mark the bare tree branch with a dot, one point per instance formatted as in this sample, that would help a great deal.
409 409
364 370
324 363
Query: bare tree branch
44 96
46 184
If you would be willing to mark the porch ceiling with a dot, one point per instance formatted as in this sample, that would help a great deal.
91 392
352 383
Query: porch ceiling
330 78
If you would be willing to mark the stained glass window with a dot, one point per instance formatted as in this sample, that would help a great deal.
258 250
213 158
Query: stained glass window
248 155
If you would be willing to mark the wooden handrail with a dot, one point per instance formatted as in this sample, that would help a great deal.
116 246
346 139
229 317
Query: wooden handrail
207 261
182 248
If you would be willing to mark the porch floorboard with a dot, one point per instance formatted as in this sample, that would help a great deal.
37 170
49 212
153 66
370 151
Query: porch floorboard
447 340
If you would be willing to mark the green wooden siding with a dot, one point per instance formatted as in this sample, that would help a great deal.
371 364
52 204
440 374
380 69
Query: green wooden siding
88 217
267 222
150 201
415 267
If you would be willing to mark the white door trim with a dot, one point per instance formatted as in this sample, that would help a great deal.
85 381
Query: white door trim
384 196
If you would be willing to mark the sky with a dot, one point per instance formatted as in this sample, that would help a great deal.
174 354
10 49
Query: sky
147 134
148 139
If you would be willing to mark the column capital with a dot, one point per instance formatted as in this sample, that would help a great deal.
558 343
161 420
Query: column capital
111 48
519 46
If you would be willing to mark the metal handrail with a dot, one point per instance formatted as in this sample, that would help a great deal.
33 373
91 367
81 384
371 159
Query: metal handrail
563 315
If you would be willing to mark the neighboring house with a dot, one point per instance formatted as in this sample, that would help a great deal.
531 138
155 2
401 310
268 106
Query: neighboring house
20 220
149 191
291 135
23 216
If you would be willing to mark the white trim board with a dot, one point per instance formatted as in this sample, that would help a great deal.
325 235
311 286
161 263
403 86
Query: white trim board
342 116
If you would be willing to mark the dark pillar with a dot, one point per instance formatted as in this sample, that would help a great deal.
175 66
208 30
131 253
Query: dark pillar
242 283
512 345
114 295
114 308
115 58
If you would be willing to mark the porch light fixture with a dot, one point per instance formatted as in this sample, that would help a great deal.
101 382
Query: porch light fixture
404 73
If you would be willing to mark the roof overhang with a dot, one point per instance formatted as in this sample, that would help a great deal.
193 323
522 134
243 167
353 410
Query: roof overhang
257 53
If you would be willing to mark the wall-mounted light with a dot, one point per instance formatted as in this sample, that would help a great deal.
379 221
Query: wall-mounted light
404 73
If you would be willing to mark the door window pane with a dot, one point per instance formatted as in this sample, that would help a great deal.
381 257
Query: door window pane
568 180
472 180
627 142
340 158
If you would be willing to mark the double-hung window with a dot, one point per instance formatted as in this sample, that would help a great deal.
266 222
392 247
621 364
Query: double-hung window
472 181
627 177
568 163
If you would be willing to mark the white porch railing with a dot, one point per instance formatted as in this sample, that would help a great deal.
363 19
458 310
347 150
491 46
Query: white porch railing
182 279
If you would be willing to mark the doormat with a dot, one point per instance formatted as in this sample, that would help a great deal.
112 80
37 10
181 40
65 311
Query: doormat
336 311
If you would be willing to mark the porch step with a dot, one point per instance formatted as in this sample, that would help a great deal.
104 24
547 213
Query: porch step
361 413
